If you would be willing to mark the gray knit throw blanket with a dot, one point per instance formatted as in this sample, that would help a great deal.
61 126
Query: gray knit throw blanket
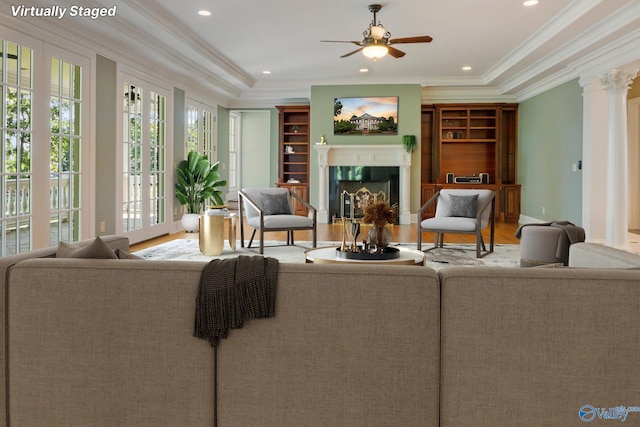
232 291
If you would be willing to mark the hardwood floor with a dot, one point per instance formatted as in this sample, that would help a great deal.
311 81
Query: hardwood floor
504 233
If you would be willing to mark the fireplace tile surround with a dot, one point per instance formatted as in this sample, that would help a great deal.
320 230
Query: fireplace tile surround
363 155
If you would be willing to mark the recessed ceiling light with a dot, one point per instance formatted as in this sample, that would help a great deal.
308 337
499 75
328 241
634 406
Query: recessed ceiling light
530 2
466 68
266 72
364 70
204 13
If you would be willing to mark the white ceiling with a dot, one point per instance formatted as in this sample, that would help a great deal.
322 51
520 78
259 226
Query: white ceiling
509 46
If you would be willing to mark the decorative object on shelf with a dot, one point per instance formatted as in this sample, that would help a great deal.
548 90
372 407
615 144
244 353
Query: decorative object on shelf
409 143
198 181
295 128
379 214
323 141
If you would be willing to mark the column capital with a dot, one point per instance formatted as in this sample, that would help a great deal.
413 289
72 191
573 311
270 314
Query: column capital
617 79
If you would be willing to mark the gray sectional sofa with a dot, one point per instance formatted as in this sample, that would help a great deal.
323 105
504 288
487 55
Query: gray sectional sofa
110 343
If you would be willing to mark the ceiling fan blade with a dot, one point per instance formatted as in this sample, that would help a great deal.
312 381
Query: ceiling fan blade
359 43
419 39
351 53
395 52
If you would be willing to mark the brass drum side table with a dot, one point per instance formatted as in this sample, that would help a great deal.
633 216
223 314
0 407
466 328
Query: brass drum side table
213 231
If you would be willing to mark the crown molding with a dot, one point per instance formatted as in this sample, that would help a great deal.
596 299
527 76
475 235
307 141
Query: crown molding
559 23
443 94
548 83
67 37
622 17
622 53
163 19
453 81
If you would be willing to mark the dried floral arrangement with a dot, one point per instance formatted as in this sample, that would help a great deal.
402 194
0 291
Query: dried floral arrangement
379 213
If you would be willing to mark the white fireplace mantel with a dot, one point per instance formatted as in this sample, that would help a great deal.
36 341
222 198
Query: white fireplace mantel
363 155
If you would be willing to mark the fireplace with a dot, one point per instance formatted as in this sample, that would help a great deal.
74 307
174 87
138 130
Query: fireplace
391 160
347 184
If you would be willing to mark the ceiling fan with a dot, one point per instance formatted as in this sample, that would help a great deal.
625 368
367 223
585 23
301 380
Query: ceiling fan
377 42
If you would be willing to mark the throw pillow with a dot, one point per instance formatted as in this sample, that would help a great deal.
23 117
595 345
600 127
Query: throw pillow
276 204
463 206
122 254
96 249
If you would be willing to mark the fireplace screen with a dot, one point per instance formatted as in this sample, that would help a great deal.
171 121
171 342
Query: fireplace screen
353 202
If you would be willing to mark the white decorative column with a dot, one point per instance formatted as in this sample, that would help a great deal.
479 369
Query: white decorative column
323 183
594 151
617 84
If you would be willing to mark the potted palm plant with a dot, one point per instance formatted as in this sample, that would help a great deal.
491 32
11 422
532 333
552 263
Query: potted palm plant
198 181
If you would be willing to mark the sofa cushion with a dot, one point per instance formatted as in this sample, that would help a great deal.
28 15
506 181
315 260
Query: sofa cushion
96 249
122 254
594 255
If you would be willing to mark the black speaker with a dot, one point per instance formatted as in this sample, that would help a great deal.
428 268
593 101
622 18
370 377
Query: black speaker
484 177
450 178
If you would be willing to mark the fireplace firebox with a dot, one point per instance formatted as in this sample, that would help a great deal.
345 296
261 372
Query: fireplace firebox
351 179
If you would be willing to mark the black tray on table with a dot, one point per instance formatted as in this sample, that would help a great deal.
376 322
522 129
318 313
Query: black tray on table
387 253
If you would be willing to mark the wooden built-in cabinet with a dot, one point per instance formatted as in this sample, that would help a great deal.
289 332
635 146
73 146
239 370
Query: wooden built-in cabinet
294 146
469 140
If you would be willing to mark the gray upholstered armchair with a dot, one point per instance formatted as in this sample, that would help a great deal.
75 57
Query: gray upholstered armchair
271 209
460 212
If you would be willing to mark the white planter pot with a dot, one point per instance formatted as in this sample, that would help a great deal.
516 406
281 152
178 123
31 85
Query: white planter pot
191 222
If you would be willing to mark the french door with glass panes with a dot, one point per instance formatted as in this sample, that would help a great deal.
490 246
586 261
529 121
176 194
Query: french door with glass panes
145 190
45 153
201 130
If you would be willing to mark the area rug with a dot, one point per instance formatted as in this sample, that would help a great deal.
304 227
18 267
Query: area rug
464 255
451 255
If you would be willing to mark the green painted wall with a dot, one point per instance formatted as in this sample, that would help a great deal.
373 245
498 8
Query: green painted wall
550 142
408 124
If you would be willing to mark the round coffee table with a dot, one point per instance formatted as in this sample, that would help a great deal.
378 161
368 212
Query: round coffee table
327 255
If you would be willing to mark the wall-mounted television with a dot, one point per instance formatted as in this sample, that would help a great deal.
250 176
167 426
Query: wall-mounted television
374 115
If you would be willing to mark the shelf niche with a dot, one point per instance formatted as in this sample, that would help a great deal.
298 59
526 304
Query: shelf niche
467 140
294 145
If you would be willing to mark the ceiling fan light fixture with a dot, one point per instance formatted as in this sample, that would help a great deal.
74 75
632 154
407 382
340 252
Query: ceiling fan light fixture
377 32
375 50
